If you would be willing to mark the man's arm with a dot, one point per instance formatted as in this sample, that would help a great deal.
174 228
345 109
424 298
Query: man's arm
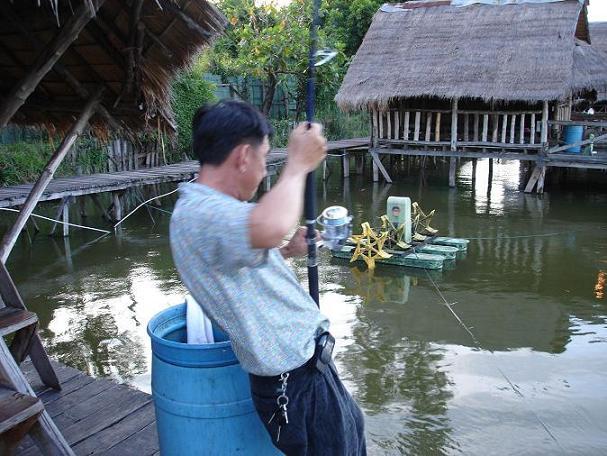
279 210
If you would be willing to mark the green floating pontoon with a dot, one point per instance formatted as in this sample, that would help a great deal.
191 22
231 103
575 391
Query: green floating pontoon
460 244
447 251
412 260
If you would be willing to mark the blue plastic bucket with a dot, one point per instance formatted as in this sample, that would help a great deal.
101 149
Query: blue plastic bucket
573 134
201 394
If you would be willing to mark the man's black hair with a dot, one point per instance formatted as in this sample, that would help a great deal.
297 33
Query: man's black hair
217 129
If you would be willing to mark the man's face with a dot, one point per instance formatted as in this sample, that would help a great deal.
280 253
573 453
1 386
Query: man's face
256 170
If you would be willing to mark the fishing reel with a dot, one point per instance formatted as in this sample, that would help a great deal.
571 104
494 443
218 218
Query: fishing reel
337 226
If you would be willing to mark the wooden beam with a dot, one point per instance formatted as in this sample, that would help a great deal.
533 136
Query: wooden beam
134 18
598 139
45 60
78 88
437 127
185 18
454 116
406 125
533 179
522 131
11 236
380 166
545 123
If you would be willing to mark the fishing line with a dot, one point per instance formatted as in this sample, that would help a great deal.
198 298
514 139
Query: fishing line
478 345
561 233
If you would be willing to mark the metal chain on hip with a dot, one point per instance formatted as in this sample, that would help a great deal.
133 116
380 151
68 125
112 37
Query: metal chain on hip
281 401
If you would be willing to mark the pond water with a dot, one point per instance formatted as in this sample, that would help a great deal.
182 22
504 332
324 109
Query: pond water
527 376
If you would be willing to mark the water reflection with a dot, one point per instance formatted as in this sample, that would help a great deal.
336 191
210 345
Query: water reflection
531 288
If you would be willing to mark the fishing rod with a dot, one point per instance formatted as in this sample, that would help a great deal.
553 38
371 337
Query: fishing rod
310 192
334 219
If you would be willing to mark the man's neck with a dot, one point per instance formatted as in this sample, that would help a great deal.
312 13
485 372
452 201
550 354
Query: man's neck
216 179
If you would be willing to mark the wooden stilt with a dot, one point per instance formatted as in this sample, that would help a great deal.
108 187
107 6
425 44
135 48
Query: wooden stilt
490 178
377 162
474 163
360 164
375 170
345 162
535 175
11 236
452 169
66 217
117 206
540 181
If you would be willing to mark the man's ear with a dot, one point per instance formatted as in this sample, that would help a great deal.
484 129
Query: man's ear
242 157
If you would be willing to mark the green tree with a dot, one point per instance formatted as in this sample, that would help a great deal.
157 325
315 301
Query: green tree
267 42
349 20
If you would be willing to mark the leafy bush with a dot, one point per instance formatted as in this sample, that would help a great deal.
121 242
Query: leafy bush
190 91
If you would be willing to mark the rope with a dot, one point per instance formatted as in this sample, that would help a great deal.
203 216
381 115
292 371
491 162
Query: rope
146 202
58 221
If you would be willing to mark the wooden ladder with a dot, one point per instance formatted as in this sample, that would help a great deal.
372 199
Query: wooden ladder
18 413
20 410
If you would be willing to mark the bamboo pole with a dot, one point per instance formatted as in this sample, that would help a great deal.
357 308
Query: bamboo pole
47 175
45 60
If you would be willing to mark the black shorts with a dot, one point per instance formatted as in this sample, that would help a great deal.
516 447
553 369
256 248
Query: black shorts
323 417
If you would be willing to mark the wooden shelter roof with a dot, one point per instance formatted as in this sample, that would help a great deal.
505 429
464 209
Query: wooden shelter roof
511 52
129 48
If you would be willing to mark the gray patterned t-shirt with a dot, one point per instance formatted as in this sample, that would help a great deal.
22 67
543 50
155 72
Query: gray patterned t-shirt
251 294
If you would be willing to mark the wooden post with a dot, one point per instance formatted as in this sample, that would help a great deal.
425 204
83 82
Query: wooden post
496 121
453 160
406 126
540 181
389 124
381 124
47 175
375 132
485 134
476 122
545 124
466 127
117 202
504 127
512 127
454 116
66 217
418 118
474 163
45 59
428 136
532 141
345 162
522 130
437 127
397 124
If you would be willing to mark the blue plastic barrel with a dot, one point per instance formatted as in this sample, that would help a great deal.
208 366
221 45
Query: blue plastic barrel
201 394
573 134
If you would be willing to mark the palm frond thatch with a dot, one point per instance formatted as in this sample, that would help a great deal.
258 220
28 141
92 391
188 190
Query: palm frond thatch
519 52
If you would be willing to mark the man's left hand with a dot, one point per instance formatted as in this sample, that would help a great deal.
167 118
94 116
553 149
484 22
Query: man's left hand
298 245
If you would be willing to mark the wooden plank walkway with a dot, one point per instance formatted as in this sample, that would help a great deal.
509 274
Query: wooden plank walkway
96 416
108 182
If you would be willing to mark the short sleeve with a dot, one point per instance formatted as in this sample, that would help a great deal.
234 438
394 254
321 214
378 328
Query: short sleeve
233 239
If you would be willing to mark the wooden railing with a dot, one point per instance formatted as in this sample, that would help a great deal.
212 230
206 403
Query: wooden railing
484 129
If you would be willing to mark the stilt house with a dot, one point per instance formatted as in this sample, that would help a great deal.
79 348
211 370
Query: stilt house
471 78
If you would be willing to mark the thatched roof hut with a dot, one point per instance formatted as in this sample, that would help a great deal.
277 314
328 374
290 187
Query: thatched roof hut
529 52
131 49
598 35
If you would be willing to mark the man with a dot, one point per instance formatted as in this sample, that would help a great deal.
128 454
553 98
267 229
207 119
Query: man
226 251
